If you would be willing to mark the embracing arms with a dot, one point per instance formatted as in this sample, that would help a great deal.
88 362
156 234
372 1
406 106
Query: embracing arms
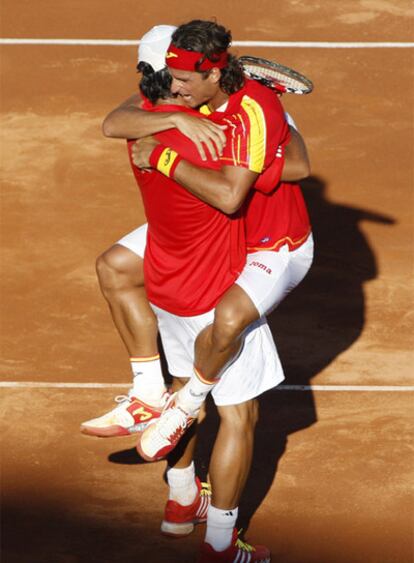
130 121
227 188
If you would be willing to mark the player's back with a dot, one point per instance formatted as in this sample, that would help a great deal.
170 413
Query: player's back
275 212
194 252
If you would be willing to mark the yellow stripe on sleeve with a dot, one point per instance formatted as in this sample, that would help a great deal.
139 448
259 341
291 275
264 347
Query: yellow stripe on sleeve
257 134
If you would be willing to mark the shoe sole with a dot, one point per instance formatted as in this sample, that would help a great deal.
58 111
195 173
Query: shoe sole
109 432
179 530
116 430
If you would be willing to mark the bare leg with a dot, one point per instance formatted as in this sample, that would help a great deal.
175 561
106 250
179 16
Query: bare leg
229 468
214 349
121 278
218 344
232 453
120 274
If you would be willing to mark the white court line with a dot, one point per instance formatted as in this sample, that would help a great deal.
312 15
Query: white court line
336 388
290 44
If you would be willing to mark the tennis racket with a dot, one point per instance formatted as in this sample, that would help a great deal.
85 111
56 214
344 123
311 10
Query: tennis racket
276 76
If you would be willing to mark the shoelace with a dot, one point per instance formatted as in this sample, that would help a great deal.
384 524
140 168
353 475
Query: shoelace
122 398
130 397
206 489
243 545
172 420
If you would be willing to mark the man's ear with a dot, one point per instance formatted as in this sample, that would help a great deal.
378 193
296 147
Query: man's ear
215 75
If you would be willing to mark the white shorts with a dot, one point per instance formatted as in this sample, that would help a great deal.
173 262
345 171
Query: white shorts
136 240
267 276
256 369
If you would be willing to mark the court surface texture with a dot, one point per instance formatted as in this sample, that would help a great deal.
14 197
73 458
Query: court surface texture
331 480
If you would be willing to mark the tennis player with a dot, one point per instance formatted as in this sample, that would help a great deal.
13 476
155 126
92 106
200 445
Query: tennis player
277 224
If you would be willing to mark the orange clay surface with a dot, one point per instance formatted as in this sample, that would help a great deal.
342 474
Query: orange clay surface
332 473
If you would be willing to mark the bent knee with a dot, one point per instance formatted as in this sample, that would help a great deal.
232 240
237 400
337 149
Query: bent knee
119 267
229 324
232 317
242 417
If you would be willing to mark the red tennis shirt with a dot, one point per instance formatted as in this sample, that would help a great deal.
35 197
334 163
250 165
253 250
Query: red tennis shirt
275 213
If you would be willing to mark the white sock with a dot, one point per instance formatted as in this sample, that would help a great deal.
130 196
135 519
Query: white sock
220 526
148 381
183 487
194 393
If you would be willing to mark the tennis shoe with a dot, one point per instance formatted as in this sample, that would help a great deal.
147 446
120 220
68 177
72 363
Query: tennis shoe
237 552
161 436
130 416
180 520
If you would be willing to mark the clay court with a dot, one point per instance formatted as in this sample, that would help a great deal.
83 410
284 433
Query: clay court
332 475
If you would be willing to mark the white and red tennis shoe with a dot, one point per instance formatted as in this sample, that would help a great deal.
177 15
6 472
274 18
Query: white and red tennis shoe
237 552
163 434
180 520
131 416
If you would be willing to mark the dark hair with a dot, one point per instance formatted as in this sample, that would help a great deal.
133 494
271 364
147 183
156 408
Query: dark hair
211 39
154 85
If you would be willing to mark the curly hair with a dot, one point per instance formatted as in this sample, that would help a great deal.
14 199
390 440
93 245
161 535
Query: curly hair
211 39
154 85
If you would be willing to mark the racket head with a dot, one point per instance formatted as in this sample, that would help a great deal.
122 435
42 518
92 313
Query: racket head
274 75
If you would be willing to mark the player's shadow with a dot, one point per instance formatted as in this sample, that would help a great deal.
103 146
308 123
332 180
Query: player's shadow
126 457
321 319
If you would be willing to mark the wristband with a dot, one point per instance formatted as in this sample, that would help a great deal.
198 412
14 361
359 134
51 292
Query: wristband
165 160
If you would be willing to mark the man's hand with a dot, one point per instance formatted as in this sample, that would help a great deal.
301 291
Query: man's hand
141 151
202 132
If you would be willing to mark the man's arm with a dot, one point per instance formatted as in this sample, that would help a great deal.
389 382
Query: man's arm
227 188
130 121
297 165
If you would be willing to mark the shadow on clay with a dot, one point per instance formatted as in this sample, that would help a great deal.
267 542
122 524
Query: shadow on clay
321 319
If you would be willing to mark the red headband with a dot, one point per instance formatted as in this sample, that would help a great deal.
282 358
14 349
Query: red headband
181 59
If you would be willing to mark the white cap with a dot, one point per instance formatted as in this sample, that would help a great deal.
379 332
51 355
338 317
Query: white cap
154 44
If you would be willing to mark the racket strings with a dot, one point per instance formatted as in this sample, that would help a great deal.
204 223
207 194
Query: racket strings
275 76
